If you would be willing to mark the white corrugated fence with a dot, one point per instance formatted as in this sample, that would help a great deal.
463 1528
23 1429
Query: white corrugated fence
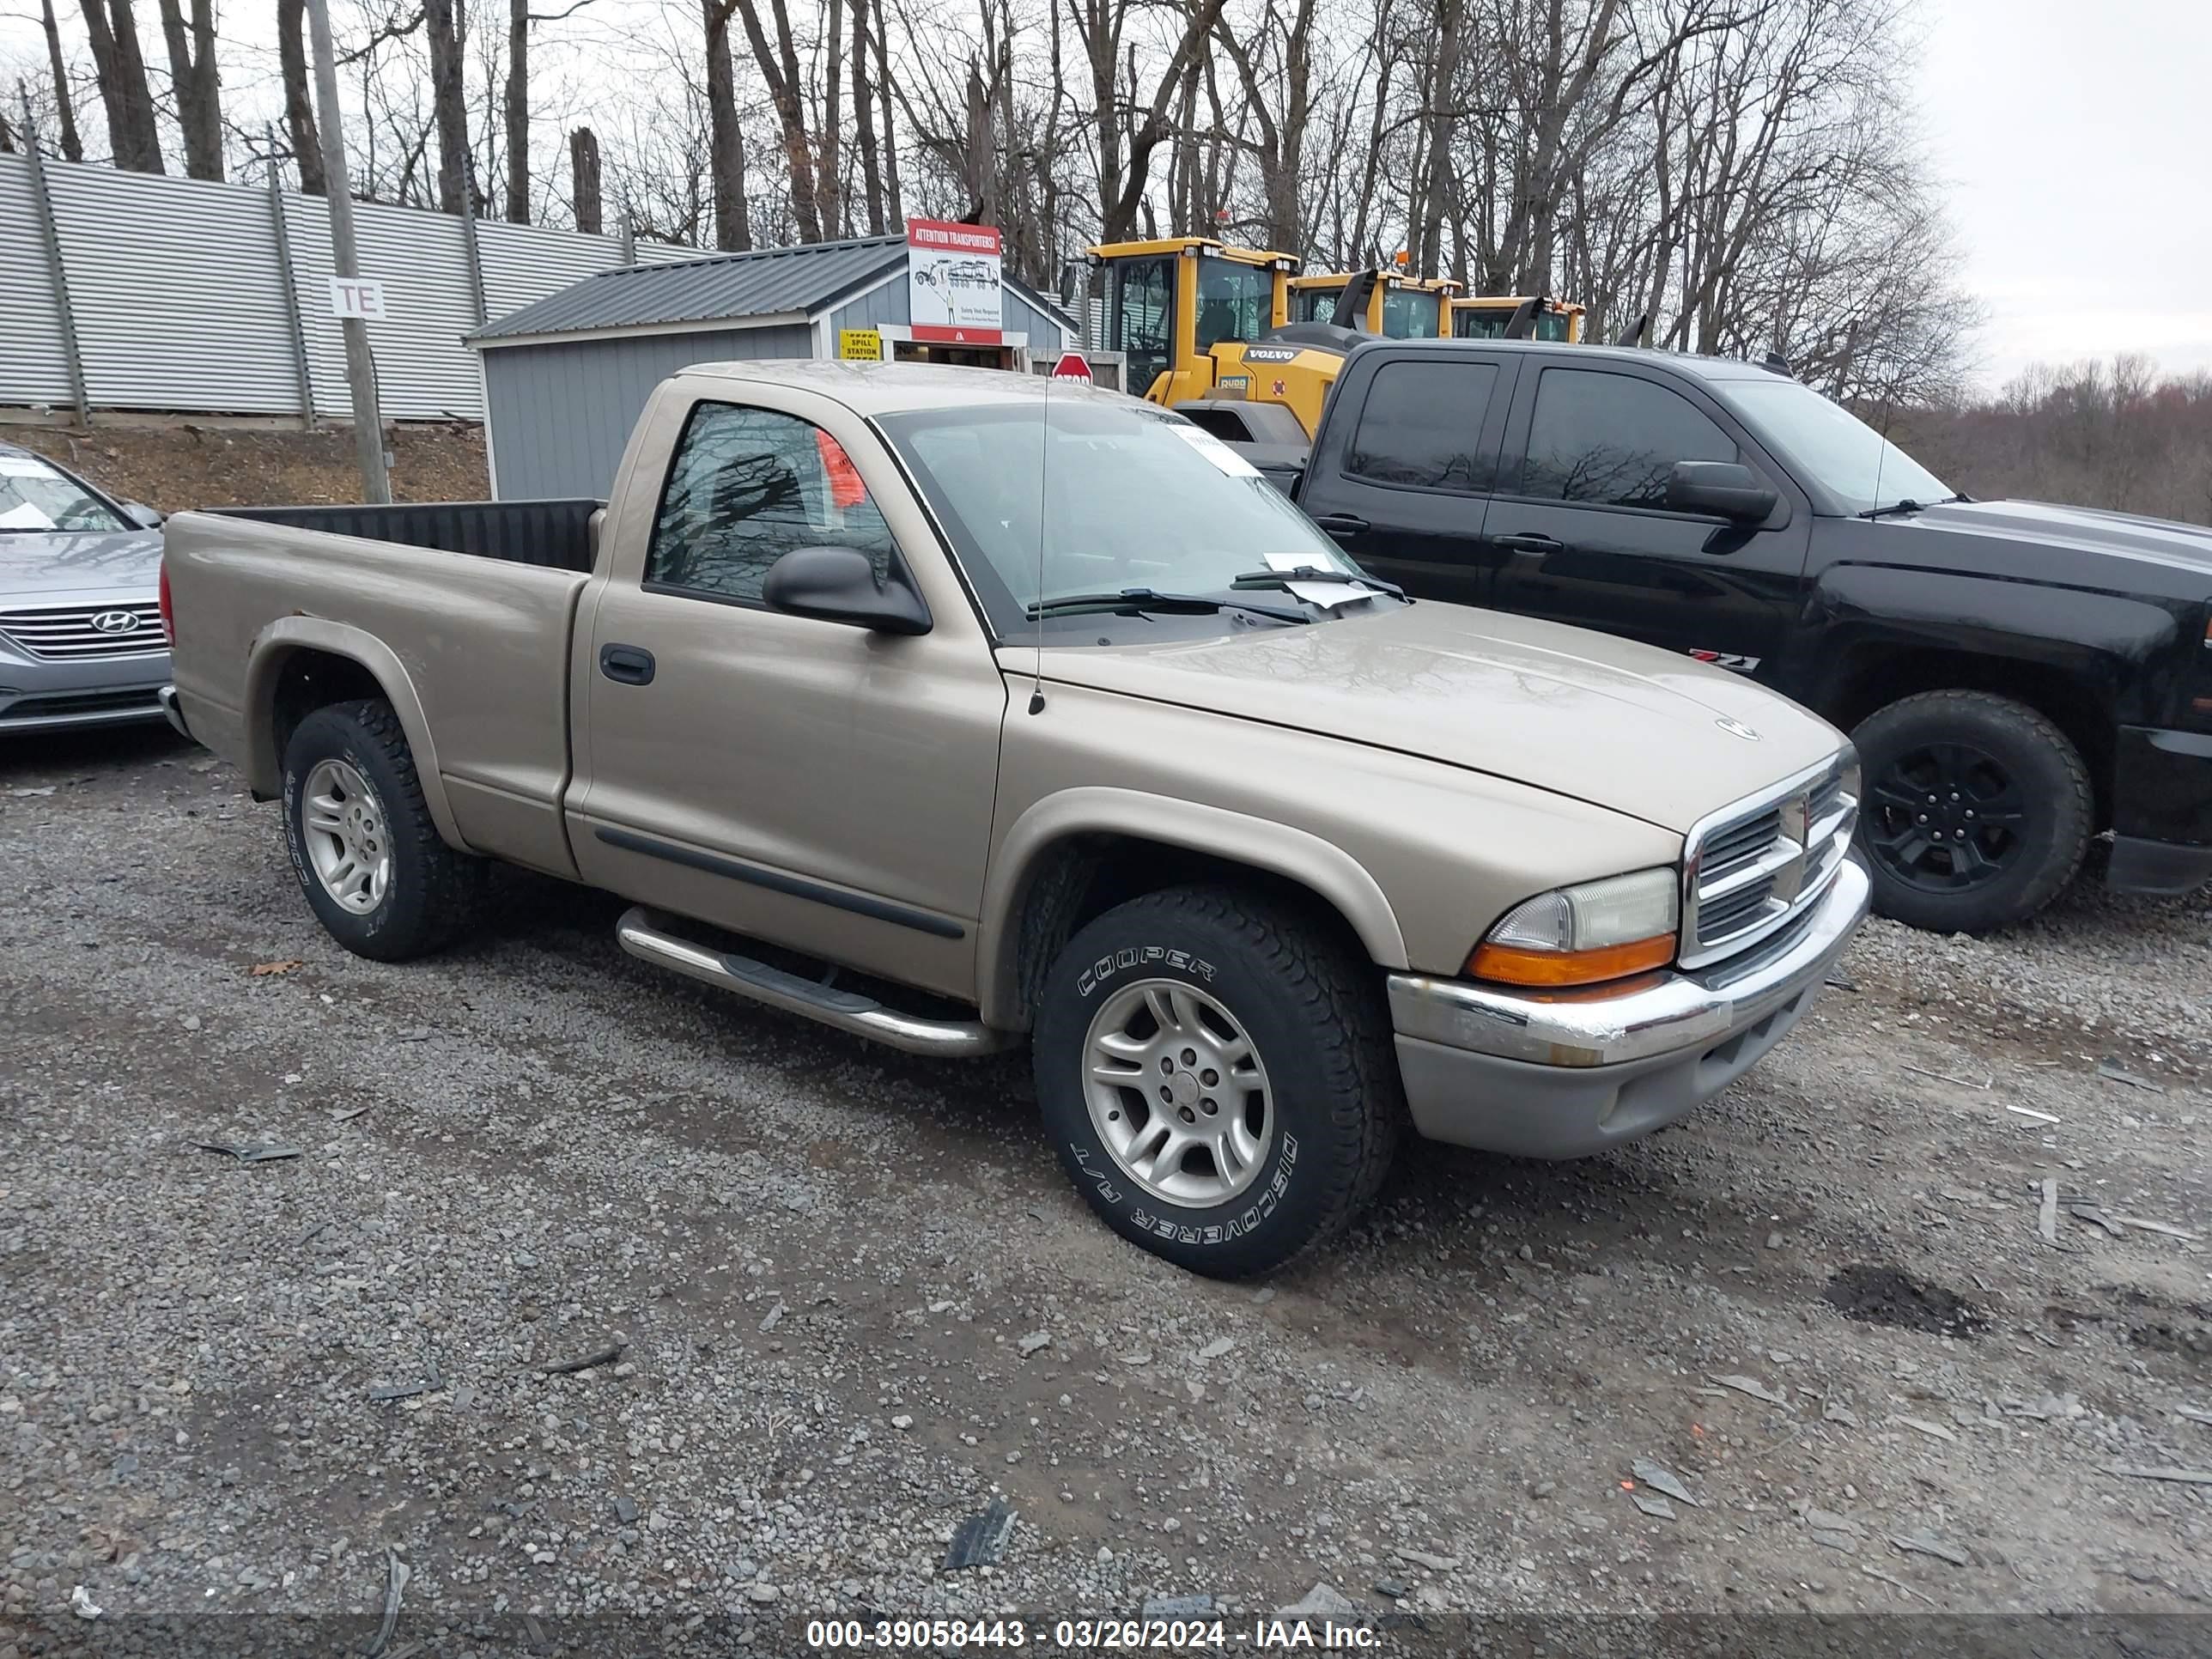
176 289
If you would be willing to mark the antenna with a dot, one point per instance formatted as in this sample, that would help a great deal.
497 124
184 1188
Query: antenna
1044 510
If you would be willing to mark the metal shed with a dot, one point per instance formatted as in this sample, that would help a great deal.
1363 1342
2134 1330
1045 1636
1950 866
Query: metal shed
565 378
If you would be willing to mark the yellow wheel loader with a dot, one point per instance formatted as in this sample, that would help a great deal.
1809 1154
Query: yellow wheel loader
1216 332
1488 316
1202 326
1398 307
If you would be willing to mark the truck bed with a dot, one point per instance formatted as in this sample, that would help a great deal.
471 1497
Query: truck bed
554 535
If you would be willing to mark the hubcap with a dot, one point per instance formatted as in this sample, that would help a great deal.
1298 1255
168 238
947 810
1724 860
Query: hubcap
1945 817
1177 1093
348 845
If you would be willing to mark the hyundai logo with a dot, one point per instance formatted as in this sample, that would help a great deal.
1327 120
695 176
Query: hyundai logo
1733 728
116 622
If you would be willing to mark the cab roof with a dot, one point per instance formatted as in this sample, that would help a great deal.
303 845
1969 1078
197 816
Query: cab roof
870 389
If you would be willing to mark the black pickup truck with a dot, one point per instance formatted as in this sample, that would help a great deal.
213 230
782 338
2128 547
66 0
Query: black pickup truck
2017 677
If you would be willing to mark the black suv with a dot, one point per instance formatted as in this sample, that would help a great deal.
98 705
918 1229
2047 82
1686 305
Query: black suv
2017 677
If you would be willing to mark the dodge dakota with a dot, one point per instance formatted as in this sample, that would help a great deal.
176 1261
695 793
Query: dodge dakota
955 709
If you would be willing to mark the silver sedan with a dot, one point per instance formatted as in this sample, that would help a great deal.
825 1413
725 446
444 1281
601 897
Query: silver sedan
80 636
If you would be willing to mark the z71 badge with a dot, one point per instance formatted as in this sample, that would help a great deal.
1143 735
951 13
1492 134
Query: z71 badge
1732 661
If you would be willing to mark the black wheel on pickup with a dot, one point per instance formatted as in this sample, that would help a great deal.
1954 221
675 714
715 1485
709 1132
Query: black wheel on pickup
1976 810
1216 1073
375 869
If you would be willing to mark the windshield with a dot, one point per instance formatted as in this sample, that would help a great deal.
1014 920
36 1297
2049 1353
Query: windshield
1234 301
1315 305
1410 314
1109 496
1857 465
35 495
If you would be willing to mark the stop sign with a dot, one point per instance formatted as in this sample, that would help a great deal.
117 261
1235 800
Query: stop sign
1071 367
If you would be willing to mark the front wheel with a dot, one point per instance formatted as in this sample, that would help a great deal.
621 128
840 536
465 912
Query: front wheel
1215 1074
1976 810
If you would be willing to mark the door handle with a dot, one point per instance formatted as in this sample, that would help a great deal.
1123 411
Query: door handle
631 665
1340 524
1531 543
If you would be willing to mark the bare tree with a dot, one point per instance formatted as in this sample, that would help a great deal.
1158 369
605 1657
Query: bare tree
584 178
778 70
134 143
864 121
726 146
442 24
197 82
516 108
299 107
65 106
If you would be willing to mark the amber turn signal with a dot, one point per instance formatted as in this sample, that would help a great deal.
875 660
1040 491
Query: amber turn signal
1511 964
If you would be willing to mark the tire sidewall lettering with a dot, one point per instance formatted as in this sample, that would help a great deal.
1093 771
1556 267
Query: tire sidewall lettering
1122 961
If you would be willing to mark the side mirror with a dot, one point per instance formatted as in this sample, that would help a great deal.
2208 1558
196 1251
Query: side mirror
145 517
838 584
1720 489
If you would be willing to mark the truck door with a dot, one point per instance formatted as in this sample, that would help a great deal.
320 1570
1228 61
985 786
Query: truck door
807 783
1401 476
1581 521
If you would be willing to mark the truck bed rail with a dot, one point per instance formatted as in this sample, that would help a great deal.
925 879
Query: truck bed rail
556 534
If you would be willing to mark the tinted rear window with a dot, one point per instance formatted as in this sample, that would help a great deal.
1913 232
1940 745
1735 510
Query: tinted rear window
1421 426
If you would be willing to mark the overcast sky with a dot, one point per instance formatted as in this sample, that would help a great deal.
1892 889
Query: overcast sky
2076 140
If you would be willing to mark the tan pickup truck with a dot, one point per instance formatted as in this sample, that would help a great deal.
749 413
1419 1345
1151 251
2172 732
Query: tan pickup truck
954 711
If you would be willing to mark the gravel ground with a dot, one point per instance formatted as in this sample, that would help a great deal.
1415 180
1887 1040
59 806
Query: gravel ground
855 1300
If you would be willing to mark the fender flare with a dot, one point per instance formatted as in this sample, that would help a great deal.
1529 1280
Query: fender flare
1322 867
275 645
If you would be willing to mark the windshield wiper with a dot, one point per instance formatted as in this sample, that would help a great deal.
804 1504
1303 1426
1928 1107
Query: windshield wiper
1315 573
1908 505
1133 599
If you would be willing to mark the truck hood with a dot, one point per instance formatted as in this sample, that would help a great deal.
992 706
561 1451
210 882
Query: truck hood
1625 726
40 565
2078 529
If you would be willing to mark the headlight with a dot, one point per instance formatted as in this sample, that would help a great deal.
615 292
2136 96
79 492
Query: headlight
1580 935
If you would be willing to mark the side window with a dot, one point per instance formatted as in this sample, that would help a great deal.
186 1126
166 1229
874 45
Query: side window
1422 426
1612 439
746 487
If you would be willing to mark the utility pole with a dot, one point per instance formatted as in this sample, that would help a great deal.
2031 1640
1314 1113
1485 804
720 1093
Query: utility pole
360 366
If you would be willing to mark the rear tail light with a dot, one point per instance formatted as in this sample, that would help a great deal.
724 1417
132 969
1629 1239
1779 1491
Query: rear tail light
168 615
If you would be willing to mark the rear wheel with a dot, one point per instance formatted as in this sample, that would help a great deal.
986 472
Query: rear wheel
1215 1074
376 873
1976 810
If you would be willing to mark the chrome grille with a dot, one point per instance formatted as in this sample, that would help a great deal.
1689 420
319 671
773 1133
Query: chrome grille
1753 867
75 633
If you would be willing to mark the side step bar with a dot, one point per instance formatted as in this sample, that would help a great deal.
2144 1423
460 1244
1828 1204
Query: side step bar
643 936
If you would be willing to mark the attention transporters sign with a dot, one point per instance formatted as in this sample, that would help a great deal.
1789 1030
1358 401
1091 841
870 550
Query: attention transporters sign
952 274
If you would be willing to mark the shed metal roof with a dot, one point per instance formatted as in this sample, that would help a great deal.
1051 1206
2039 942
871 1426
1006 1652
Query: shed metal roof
781 281
770 281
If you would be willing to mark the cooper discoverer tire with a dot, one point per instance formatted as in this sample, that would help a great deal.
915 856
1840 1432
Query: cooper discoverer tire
375 872
1217 1076
1975 810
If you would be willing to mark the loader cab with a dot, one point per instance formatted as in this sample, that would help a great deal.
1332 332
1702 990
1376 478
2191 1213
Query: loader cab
1170 301
1419 308
1487 316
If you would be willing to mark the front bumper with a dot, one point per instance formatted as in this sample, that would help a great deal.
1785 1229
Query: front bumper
1568 1075
39 695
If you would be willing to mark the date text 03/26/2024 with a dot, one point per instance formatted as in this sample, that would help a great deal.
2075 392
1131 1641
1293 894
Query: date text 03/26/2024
1092 1635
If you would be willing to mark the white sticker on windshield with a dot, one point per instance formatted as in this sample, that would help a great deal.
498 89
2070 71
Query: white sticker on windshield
26 517
1215 450
1327 594
24 467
